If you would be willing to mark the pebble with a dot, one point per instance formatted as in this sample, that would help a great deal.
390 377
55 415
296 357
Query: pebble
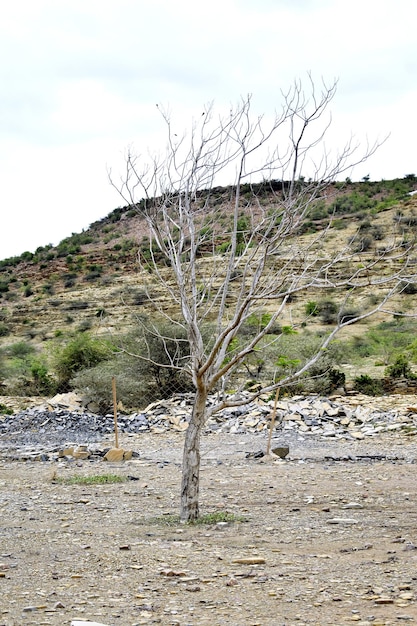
342 520
250 561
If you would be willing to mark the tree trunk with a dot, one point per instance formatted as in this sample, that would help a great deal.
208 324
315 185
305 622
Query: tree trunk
191 459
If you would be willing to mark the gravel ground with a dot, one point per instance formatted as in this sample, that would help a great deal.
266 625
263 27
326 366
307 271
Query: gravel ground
327 537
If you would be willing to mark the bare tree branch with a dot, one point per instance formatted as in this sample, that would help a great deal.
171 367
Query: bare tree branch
222 255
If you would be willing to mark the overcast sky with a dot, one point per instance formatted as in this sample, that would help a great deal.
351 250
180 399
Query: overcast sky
80 80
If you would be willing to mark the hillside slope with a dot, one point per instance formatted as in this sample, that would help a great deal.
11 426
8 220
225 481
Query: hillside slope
91 280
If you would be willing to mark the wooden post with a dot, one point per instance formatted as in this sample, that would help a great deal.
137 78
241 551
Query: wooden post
272 424
116 436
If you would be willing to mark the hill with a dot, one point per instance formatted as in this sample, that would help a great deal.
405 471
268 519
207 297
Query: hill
90 284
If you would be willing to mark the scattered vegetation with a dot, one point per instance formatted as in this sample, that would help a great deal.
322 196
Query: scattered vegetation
206 519
65 360
96 479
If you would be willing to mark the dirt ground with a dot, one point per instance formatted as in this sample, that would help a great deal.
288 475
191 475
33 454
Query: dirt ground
324 541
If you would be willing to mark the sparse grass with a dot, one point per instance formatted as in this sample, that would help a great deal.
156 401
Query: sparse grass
219 516
208 518
96 479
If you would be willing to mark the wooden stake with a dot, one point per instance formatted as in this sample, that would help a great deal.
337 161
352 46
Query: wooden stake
116 436
272 424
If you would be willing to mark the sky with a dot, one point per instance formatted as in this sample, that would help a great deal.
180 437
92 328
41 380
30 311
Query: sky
80 81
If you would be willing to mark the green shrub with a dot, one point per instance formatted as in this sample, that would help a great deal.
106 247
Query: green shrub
4 329
257 322
81 353
42 382
25 372
290 352
384 340
400 368
312 309
96 479
369 386
20 349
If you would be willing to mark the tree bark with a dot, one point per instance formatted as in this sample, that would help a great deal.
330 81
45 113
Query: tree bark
191 459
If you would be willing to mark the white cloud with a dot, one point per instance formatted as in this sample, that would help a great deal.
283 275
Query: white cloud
81 79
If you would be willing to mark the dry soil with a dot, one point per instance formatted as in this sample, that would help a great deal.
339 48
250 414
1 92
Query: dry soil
323 541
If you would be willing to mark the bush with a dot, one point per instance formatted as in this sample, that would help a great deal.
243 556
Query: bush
132 391
4 329
312 309
48 288
20 349
369 386
85 324
409 288
81 353
256 322
348 314
159 374
42 382
400 368
92 276
328 310
25 372
384 340
363 244
294 351
76 305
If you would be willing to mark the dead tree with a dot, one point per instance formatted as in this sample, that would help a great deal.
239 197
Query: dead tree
222 254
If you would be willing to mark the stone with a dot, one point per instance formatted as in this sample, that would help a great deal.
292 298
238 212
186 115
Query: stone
252 560
81 453
84 623
384 600
66 452
114 455
281 451
342 520
66 419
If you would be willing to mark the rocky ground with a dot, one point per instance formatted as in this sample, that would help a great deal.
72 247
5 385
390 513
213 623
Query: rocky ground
327 536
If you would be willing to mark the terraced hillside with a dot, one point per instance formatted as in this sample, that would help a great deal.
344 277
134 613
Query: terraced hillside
91 283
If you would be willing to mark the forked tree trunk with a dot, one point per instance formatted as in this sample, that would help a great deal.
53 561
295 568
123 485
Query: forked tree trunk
191 459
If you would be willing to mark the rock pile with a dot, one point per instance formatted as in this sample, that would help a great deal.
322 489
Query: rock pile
64 420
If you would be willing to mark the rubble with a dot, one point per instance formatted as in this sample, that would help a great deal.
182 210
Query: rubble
64 422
